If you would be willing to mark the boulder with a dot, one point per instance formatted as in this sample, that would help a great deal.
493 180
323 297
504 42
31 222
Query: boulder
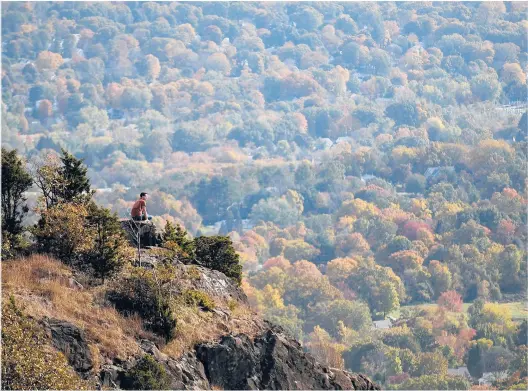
148 235
216 284
70 340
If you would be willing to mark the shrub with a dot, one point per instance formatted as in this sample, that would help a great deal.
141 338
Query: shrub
199 298
26 362
142 293
217 252
148 374
175 238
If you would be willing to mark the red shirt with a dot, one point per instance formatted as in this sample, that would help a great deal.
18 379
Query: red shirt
139 206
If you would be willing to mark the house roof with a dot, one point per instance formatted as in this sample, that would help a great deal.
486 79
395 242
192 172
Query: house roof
383 324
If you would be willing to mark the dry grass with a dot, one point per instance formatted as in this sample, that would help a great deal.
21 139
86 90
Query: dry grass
42 286
195 326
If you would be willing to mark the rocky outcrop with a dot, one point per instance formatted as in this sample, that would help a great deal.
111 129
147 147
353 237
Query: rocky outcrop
216 284
272 361
143 231
71 341
252 353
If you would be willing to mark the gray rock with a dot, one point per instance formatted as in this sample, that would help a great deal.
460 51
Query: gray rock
216 284
71 341
272 361
148 235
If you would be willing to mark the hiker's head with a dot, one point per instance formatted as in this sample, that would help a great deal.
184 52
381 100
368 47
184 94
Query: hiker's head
143 196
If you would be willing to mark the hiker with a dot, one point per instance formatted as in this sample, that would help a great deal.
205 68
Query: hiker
139 210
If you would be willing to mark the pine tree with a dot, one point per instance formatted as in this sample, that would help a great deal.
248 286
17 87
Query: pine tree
172 236
217 252
107 254
15 181
77 183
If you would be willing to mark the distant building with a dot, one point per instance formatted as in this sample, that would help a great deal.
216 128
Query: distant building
382 324
433 172
488 378
460 371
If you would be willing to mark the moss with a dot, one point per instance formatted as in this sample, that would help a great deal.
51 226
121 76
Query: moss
199 298
148 374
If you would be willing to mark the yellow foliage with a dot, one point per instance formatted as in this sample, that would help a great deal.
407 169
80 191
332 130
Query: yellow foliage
339 269
28 361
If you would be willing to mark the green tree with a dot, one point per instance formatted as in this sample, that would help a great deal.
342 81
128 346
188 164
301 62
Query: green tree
147 374
476 353
379 287
404 113
217 252
107 255
15 182
172 236
145 293
77 184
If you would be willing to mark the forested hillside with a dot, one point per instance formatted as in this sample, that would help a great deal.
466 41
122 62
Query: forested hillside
363 158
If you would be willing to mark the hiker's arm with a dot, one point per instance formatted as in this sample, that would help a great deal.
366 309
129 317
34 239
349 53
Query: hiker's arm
145 211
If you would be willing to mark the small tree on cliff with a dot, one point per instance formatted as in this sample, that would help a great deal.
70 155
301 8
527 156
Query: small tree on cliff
175 238
62 179
15 181
75 175
108 252
217 252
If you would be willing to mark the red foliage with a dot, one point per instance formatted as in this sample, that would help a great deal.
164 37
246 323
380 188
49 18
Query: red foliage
398 379
505 232
451 301
410 229
280 262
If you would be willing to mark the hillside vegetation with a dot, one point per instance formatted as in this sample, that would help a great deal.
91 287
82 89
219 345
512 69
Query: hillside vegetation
361 157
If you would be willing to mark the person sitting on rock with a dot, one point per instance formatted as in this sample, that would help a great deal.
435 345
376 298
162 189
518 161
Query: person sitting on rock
139 210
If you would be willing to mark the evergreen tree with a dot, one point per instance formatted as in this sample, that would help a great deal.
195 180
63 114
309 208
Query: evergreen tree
217 252
76 181
15 181
107 253
176 236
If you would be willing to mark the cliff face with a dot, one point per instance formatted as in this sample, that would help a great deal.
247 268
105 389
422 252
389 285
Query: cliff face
225 347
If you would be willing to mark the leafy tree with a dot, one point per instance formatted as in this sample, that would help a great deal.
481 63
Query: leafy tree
354 315
61 231
324 348
405 113
217 252
379 287
212 198
431 363
451 301
476 353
